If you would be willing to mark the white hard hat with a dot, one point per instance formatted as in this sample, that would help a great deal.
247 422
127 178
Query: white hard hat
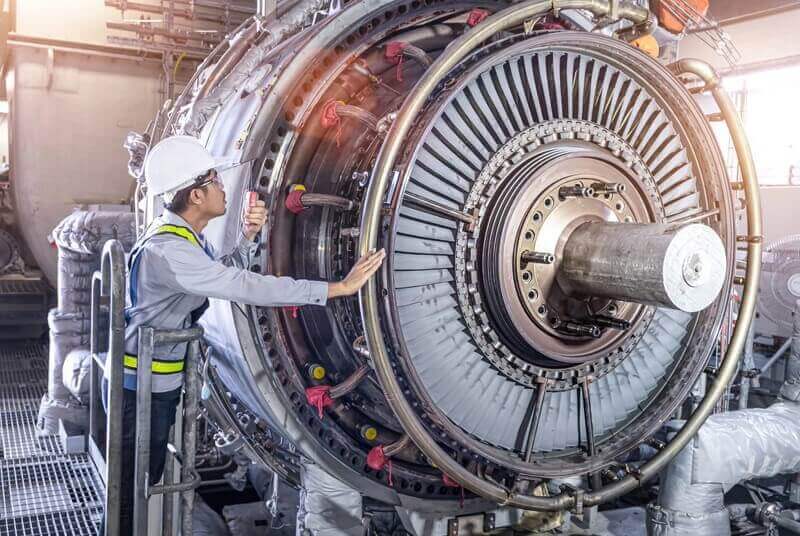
175 162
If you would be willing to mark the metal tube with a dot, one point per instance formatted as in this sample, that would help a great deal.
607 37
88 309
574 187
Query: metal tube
144 388
535 417
327 200
191 392
785 523
777 355
88 49
168 501
651 264
175 336
747 365
438 209
94 337
730 362
113 283
371 221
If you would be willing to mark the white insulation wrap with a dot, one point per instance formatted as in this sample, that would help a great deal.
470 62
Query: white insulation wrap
80 238
328 507
729 448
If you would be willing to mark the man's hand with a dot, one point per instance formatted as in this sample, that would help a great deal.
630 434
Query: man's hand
358 276
254 218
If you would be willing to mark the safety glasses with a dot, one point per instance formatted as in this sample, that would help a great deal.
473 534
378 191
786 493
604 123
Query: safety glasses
210 177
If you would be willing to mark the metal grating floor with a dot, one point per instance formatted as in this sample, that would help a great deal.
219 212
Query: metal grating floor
43 491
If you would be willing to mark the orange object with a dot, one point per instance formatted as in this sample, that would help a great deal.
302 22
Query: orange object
674 15
647 44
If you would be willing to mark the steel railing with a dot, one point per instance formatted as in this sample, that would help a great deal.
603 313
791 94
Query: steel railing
105 427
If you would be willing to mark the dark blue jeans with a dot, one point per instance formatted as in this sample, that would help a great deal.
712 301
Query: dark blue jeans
162 417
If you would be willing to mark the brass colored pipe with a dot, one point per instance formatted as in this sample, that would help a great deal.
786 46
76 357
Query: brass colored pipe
730 363
370 225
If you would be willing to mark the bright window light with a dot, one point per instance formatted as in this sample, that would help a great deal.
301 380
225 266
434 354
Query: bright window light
771 114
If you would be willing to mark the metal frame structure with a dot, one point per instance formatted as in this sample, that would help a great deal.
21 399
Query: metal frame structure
370 227
149 338
108 295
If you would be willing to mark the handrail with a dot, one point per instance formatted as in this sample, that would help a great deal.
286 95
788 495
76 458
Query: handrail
108 290
149 338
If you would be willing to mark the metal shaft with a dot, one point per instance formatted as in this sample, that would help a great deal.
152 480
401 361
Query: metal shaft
644 263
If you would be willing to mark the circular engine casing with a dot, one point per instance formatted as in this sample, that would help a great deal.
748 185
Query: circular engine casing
517 377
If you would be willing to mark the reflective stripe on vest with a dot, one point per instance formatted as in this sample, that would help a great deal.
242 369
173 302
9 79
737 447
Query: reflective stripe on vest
179 230
158 367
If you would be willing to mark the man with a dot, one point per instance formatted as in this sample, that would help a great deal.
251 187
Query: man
172 272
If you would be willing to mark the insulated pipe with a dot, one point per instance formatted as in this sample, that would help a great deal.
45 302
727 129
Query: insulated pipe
80 238
757 443
645 263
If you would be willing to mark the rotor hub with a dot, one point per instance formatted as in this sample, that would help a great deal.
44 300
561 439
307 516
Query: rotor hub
543 199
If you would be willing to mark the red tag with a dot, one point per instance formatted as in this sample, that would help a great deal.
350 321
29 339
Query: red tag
377 460
450 483
294 201
394 54
319 397
476 16
329 116
252 198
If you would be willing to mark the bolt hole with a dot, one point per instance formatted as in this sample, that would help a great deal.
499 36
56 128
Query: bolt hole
548 202
619 206
537 216
529 235
533 294
526 276
542 309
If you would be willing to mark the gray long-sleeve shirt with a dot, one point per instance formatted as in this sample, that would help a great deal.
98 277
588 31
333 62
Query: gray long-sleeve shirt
175 276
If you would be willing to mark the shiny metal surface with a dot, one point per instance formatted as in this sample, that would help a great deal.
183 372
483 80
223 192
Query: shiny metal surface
468 349
645 263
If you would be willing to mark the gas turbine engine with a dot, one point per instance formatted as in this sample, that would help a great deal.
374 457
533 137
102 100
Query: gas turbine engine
559 230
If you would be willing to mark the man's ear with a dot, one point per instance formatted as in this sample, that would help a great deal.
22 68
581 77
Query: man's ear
196 196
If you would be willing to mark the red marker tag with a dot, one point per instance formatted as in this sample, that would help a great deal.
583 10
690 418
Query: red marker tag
252 197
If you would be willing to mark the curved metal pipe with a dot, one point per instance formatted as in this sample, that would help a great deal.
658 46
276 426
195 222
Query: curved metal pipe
731 361
326 200
370 226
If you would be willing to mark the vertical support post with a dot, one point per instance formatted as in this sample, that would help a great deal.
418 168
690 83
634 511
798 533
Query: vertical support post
144 387
747 365
94 368
113 283
535 417
266 9
190 408
168 504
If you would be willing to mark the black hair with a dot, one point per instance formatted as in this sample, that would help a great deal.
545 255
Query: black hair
180 201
